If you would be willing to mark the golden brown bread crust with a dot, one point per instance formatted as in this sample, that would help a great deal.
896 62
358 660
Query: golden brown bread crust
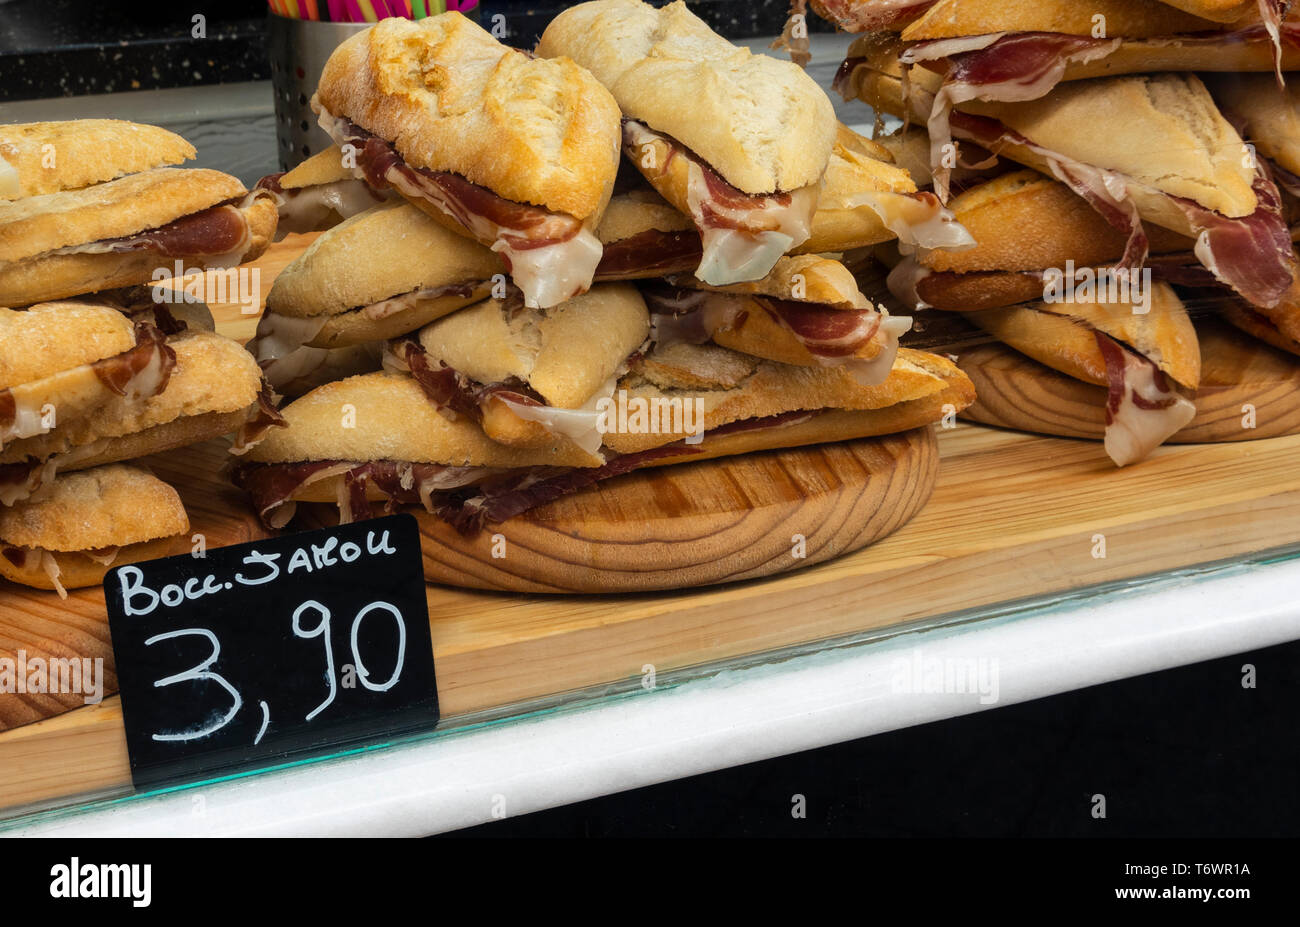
838 425
639 211
213 374
121 207
341 269
1223 11
1201 156
82 152
972 292
58 276
108 506
1272 116
1123 18
566 353
158 439
1027 221
350 329
52 337
1254 323
1061 336
857 164
806 277
763 124
393 420
79 571
774 388
452 98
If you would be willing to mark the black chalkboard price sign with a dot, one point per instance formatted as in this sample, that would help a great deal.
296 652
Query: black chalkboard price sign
247 656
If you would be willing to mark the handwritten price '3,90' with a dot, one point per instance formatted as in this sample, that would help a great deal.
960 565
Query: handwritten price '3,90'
203 673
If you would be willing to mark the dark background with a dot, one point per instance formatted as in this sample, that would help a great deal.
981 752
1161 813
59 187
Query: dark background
1182 753
72 47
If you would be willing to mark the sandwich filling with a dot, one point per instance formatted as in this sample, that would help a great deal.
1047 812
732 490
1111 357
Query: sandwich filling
466 497
306 209
833 337
138 373
743 235
871 15
551 256
282 345
218 234
651 253
454 394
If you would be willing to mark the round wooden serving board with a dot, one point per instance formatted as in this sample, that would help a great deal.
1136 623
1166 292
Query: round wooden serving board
697 524
1236 370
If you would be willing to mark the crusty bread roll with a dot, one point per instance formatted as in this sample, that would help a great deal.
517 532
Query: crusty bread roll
1060 335
386 416
213 376
1027 221
323 167
390 249
45 157
58 276
566 353
1201 157
87 523
1123 18
856 164
806 277
639 211
839 424
450 97
763 124
51 337
1272 116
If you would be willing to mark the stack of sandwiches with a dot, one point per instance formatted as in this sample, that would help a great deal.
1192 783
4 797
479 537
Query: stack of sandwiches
587 275
1142 193
93 371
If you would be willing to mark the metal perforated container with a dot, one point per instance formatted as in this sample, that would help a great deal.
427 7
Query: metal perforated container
298 49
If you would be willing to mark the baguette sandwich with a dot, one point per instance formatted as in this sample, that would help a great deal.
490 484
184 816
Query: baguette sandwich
736 141
1149 362
515 152
402 452
1032 233
808 312
128 231
215 389
60 362
84 524
529 377
39 158
377 275
1205 184
863 200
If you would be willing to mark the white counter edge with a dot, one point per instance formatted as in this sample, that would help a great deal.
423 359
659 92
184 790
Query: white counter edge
735 717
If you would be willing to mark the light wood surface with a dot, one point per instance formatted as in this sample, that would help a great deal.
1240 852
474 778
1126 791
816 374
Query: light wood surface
1001 498
1236 371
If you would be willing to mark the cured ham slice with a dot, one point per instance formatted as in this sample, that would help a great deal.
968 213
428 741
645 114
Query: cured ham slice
1142 408
551 256
743 234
